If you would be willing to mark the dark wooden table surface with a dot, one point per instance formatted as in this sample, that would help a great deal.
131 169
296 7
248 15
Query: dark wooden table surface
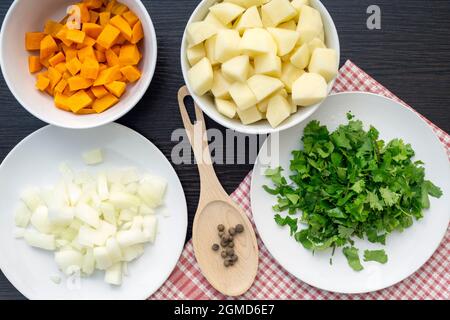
410 55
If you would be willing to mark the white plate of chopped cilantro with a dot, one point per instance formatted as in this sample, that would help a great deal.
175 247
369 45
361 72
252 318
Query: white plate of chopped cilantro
357 198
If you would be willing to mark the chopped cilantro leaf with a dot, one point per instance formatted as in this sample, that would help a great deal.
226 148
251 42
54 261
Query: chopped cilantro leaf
352 255
376 255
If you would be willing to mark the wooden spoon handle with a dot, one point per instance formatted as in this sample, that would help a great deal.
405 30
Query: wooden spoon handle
199 140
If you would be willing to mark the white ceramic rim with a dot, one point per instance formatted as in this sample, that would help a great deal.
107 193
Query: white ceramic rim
392 283
133 100
23 290
227 123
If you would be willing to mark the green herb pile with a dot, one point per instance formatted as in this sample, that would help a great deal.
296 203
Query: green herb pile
348 184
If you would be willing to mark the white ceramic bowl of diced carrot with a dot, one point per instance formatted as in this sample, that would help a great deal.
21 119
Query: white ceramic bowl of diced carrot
78 64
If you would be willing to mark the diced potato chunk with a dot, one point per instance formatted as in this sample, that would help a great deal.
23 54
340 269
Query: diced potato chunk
226 12
290 25
309 89
196 53
242 95
200 77
258 41
263 86
197 32
268 64
250 115
301 57
210 49
226 107
290 73
221 85
278 110
212 19
250 19
285 39
316 43
248 3
310 25
227 45
325 63
237 68
279 11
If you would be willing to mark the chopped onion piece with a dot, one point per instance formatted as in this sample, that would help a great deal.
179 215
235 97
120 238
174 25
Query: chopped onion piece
40 220
93 157
40 240
102 259
113 275
67 259
88 215
22 216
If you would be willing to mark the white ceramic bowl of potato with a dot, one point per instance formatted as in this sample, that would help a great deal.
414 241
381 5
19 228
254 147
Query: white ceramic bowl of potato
207 101
29 16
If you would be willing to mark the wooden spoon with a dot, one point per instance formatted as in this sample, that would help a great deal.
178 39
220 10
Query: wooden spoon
216 207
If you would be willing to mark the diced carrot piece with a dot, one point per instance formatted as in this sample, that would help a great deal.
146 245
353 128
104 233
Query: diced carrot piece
84 12
90 94
104 18
131 73
88 42
103 67
62 35
117 88
62 101
67 75
94 16
99 91
54 76
76 36
44 61
122 24
79 101
120 40
100 56
108 36
90 69
109 7
57 59
131 18
62 84
108 75
119 9
102 104
99 48
34 64
93 30
71 54
61 67
138 33
74 66
129 55
111 58
86 111
42 82
85 53
93 4
48 47
78 82
116 50
33 40
52 27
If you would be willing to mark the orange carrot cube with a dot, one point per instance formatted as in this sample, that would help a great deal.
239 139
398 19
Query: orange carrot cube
33 40
108 36
34 64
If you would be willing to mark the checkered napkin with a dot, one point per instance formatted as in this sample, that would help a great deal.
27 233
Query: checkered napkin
432 281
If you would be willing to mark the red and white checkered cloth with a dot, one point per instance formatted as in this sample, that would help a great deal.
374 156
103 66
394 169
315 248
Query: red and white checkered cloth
432 281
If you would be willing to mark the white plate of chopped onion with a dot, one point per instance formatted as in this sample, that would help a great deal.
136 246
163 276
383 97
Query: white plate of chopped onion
97 214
